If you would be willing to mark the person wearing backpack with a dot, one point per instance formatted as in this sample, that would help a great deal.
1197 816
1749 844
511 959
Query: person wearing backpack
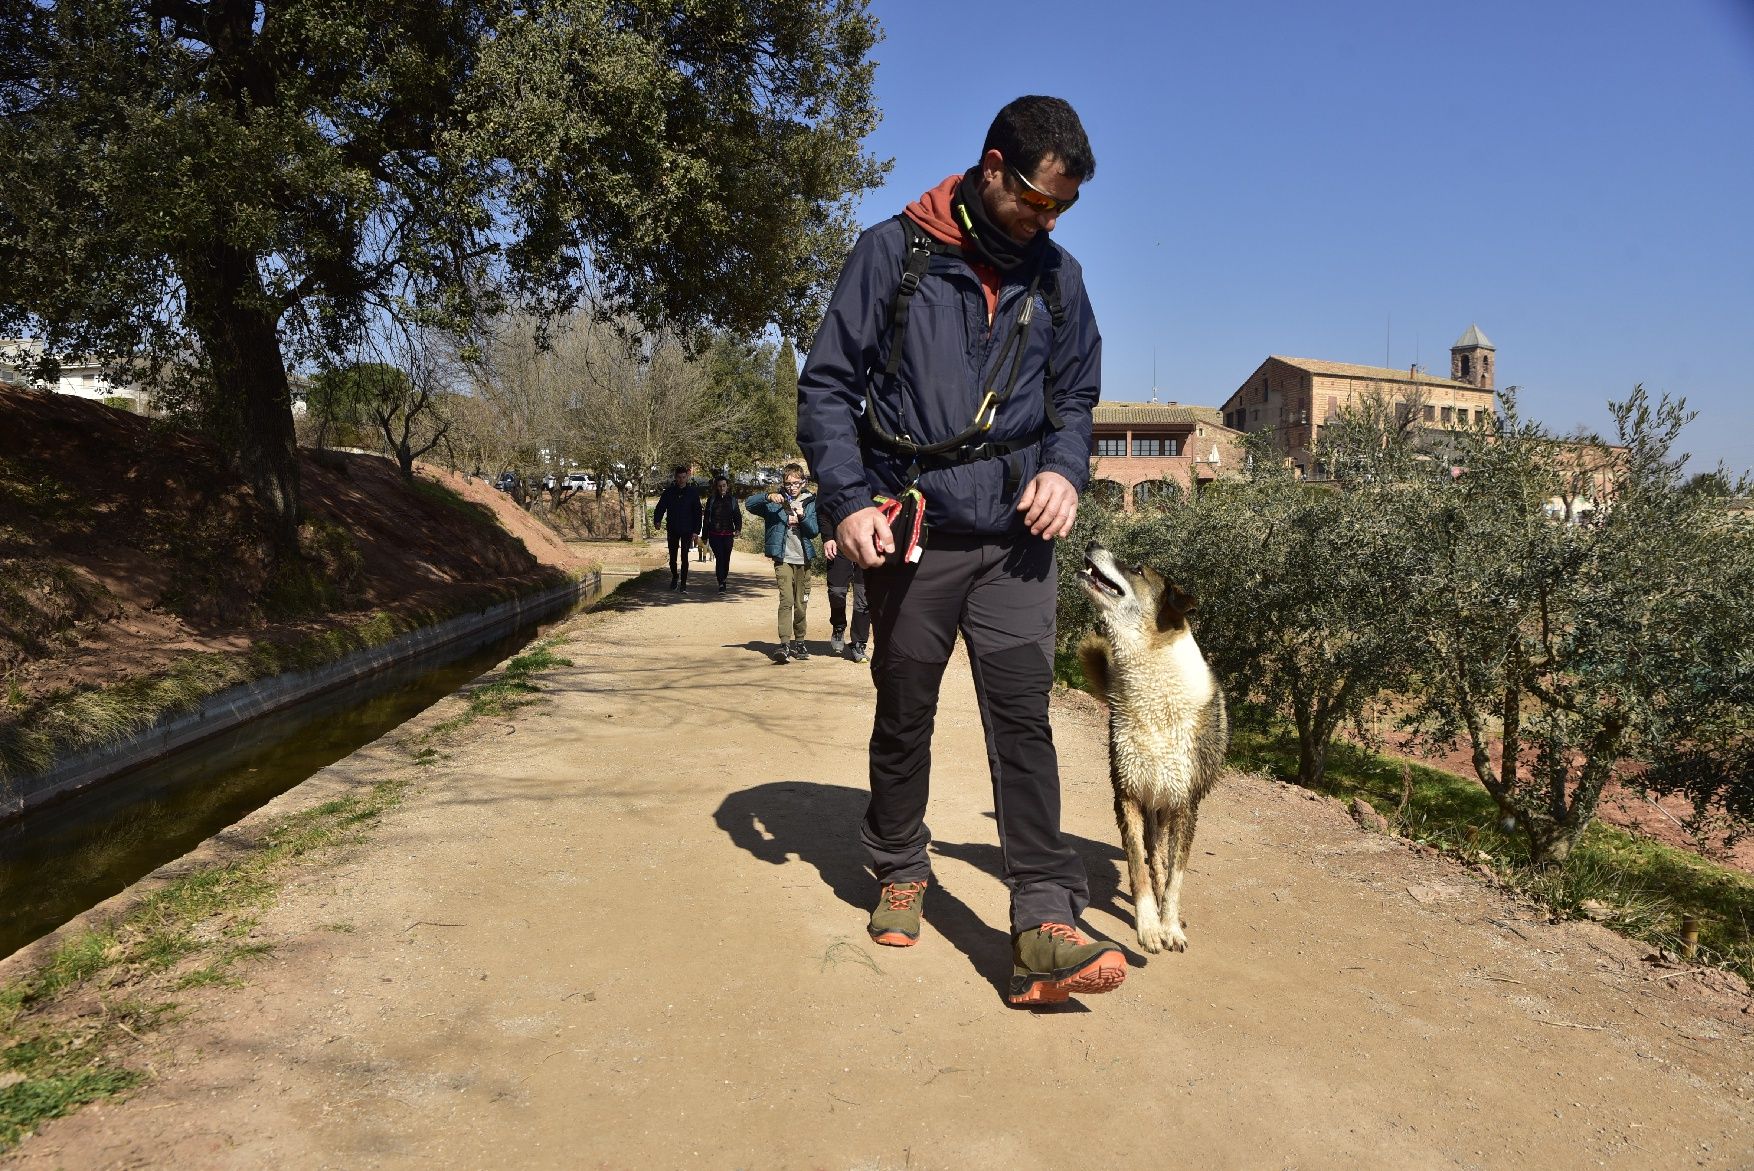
955 370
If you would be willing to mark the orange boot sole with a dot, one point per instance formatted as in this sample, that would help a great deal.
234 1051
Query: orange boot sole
1102 974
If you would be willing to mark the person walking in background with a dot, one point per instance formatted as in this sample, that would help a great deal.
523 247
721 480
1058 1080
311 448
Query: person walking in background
960 359
790 516
679 512
722 522
844 572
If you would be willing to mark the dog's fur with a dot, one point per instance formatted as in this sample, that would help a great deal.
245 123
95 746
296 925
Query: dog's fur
1167 731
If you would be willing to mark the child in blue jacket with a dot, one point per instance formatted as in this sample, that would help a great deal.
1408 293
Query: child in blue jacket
790 516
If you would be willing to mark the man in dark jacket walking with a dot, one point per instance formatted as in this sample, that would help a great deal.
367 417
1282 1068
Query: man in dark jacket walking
679 512
977 390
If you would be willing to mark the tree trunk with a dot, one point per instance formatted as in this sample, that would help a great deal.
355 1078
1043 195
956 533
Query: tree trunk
1549 843
247 409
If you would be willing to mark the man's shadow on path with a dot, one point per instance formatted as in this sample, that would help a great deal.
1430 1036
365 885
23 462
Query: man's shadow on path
818 825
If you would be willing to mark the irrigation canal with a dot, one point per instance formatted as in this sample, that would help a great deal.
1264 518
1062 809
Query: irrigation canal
68 857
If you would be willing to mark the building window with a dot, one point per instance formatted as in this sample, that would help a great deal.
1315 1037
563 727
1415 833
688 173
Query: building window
1447 412
1142 446
1430 413
1467 367
1462 416
1106 445
1150 492
1333 406
1172 447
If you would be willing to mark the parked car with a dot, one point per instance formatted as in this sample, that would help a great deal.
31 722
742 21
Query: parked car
580 482
506 481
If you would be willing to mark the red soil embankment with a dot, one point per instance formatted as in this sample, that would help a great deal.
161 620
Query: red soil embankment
128 543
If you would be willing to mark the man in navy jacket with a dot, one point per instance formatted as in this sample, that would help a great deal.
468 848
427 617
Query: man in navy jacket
679 511
985 408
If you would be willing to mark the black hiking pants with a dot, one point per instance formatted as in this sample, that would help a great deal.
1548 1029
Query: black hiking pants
842 576
681 544
721 546
999 592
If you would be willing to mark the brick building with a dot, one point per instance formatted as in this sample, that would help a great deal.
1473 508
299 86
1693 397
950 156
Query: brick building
1135 445
1291 398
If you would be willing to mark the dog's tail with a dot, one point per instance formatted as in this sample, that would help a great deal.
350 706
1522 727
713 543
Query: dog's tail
1093 656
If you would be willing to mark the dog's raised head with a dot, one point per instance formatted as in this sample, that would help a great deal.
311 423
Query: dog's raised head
1133 602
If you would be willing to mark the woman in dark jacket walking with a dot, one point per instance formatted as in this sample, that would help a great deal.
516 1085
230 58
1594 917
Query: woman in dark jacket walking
722 523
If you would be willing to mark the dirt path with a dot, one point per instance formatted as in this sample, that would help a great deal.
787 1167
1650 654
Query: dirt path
626 930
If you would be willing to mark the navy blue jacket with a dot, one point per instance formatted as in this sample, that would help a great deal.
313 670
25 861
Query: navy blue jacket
682 507
947 361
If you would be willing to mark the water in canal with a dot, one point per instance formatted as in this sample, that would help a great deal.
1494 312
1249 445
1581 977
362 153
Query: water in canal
62 860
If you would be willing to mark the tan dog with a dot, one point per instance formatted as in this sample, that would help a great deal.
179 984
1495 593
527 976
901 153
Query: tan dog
1167 731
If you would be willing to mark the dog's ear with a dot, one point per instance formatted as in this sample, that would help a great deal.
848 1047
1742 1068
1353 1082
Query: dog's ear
1093 657
1173 607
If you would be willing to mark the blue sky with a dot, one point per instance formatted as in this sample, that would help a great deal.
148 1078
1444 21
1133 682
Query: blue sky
1354 180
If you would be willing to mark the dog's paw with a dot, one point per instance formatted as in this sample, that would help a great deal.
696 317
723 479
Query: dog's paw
1152 937
1173 936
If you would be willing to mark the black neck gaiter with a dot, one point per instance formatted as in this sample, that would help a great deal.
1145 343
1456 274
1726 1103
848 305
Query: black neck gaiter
990 240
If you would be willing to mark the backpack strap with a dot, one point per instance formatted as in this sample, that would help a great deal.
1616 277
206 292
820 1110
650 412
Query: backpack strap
920 248
1056 311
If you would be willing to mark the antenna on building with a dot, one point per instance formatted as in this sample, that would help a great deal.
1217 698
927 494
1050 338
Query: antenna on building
1153 373
1388 321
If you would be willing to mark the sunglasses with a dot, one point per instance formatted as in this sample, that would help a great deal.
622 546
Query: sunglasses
1037 198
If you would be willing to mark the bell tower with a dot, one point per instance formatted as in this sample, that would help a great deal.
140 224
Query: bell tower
1471 359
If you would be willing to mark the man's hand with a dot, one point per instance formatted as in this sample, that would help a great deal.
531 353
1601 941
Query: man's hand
776 498
829 549
865 537
1049 505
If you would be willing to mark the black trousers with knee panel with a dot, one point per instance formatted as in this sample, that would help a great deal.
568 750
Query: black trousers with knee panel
999 594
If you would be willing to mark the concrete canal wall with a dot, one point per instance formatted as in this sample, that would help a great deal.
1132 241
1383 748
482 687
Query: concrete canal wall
237 705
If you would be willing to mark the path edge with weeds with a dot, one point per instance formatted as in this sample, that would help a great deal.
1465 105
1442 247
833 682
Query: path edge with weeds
74 1023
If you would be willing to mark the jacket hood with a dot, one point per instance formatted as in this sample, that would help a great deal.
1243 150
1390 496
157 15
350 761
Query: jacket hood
932 212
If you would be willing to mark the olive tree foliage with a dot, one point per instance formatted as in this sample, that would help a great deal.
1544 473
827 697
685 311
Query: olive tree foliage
215 190
1301 589
1566 652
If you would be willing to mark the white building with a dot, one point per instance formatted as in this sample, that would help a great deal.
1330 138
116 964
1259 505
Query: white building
81 377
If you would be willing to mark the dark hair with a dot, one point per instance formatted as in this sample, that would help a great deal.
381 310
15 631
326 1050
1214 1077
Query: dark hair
1033 127
681 469
721 478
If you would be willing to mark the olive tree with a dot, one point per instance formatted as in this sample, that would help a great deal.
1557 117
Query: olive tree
212 190
1568 652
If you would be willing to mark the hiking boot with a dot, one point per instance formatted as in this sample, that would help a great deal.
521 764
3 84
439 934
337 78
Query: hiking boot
800 651
783 654
672 581
1053 961
896 921
859 655
836 642
721 587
